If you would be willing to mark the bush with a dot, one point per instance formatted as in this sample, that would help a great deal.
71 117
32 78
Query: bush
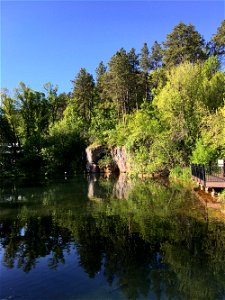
105 161
221 196
183 174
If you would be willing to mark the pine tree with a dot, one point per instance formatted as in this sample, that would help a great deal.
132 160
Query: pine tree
133 60
83 92
100 70
219 40
144 60
118 81
100 78
145 66
184 43
156 56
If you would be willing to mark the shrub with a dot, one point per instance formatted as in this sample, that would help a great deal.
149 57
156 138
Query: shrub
221 196
180 173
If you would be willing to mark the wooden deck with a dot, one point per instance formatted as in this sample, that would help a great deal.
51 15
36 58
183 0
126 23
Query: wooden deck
209 176
211 181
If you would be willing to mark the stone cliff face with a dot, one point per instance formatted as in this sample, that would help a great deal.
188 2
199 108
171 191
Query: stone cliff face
118 157
93 154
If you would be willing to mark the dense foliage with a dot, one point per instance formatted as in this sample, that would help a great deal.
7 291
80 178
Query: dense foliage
165 105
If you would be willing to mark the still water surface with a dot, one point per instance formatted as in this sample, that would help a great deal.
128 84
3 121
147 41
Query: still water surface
96 238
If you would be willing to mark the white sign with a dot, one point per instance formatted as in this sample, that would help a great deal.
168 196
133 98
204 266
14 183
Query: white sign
220 162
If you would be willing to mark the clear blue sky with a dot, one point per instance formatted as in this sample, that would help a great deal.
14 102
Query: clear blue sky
49 41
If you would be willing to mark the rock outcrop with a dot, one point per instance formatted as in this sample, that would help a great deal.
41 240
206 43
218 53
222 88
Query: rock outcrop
119 156
93 154
116 159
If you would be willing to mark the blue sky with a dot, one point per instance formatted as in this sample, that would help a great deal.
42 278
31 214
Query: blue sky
49 41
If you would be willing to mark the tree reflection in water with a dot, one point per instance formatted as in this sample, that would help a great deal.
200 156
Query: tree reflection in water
154 242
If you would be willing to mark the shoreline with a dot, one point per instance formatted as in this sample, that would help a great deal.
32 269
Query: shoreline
215 209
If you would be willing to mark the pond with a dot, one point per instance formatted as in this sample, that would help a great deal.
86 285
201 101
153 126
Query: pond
108 238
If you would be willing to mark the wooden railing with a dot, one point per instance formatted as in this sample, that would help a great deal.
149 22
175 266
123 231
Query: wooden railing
208 173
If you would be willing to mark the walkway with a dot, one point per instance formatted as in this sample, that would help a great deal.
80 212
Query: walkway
207 178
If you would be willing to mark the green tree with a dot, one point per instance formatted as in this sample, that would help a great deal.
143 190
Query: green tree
83 92
101 86
191 92
9 119
64 148
211 144
118 83
144 59
137 84
184 43
213 84
133 60
10 146
145 66
57 103
155 59
100 71
34 109
219 40
180 107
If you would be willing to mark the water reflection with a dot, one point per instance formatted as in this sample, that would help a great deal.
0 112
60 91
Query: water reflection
148 240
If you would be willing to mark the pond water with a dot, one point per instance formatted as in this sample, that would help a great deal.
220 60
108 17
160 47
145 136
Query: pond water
99 238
